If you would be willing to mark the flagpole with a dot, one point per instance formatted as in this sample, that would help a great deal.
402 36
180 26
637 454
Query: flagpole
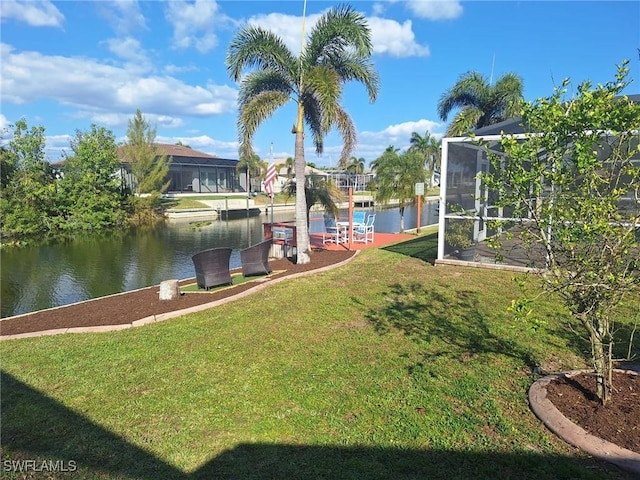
272 192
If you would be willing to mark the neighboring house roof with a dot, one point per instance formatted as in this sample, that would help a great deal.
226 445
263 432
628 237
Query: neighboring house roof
183 155
182 151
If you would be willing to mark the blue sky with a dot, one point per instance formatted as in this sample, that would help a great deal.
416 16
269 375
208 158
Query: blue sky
68 64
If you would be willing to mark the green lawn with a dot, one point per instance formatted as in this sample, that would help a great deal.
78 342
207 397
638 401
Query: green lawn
387 368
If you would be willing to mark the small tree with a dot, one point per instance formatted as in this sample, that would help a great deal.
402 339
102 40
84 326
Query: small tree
396 176
28 187
576 178
90 194
148 165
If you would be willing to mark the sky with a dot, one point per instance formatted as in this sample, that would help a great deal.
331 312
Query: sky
67 65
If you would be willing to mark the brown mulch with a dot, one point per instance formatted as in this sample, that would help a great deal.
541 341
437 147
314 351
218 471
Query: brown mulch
132 306
618 422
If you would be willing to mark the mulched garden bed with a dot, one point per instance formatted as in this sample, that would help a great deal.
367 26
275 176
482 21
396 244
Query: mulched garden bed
131 306
618 422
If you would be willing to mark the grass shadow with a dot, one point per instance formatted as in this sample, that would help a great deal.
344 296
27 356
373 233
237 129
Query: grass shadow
424 248
37 427
452 320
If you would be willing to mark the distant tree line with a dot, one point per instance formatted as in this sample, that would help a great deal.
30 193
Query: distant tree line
86 192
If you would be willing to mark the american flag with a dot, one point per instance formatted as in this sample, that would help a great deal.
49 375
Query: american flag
270 179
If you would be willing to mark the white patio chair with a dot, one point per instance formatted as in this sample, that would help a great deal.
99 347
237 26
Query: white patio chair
365 233
359 218
332 232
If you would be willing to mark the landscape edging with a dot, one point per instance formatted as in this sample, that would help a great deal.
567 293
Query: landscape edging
573 434
177 313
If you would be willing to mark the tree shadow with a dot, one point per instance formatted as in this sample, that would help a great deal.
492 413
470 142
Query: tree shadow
424 248
35 426
455 319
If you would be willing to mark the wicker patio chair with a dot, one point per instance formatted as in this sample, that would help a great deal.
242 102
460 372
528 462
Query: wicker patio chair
212 267
255 259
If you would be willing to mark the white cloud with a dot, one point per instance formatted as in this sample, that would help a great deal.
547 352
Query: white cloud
124 16
400 134
93 86
57 145
35 13
388 36
395 39
130 50
287 27
174 69
105 119
435 9
378 9
205 143
4 125
194 23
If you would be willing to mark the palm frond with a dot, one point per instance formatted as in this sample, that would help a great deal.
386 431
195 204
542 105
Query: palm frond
469 90
324 86
339 30
345 126
352 67
464 121
254 47
251 114
313 119
260 81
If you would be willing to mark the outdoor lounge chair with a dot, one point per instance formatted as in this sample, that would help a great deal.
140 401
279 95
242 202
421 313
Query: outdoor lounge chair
255 259
212 267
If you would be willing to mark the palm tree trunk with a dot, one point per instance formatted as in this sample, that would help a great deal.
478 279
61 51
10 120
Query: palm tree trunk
302 226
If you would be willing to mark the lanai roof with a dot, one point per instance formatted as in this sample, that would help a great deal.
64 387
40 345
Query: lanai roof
514 125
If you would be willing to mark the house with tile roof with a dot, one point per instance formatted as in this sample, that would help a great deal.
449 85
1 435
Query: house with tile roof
192 171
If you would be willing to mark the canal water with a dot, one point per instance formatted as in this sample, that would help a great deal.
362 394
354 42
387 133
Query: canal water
39 277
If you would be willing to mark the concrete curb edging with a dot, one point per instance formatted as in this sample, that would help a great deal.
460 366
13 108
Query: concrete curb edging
571 433
177 313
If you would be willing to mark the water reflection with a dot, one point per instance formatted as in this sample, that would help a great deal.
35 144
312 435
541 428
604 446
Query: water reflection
39 277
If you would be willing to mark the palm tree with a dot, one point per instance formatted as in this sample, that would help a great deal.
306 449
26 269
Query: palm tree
480 102
389 152
396 176
249 163
337 50
428 147
318 190
356 166
290 164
